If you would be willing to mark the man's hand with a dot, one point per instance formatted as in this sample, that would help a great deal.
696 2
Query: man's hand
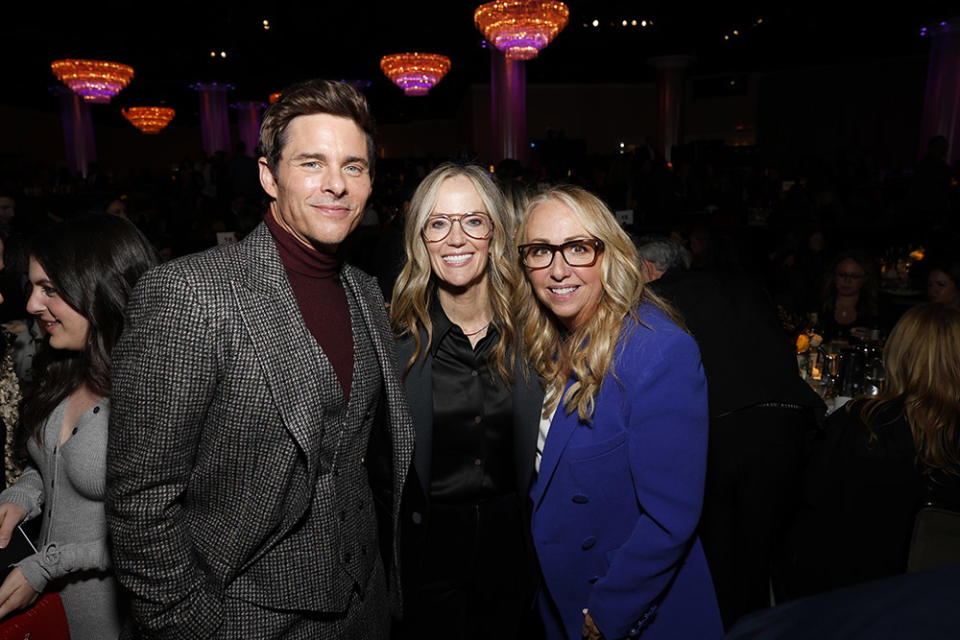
10 516
589 631
16 593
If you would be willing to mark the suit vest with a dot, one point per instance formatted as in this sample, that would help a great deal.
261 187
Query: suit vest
334 547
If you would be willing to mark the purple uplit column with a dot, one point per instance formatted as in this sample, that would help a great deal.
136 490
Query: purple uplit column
941 100
77 131
508 98
214 123
671 100
248 121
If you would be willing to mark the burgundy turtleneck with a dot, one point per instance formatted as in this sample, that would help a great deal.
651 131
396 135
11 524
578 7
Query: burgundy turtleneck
314 277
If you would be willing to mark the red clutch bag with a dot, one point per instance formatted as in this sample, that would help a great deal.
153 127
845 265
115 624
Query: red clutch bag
45 620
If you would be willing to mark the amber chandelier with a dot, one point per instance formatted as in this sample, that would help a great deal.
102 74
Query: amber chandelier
415 73
521 28
149 119
95 80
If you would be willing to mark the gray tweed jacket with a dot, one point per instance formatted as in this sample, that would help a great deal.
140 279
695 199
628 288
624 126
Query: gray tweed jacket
219 442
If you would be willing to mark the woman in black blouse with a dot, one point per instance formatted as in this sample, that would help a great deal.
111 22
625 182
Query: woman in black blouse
849 305
880 459
466 561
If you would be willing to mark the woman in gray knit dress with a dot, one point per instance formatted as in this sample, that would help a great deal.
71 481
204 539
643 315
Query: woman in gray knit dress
81 273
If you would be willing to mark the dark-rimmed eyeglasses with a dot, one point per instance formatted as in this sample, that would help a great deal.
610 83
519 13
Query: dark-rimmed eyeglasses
477 225
576 253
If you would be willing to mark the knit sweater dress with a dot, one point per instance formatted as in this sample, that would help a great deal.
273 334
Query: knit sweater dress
67 484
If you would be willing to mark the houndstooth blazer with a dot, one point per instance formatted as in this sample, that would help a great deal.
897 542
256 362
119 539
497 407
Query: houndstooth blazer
215 438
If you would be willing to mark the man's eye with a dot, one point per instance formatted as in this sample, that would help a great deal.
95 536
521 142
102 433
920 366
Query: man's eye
354 170
311 164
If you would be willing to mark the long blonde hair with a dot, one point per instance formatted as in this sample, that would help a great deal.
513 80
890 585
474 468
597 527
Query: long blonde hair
416 286
922 359
588 351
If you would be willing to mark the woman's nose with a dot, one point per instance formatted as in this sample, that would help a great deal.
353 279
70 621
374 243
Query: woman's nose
33 304
559 267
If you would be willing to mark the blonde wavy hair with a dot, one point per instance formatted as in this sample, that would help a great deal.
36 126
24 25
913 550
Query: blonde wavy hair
922 359
416 286
589 350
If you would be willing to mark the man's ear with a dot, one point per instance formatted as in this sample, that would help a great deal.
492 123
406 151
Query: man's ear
267 181
650 272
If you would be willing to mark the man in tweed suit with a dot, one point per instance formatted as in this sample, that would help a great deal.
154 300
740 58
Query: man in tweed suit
260 435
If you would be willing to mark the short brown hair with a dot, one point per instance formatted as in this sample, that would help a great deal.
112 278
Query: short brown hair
307 98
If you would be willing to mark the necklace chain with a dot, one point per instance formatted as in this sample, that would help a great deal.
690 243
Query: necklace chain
473 333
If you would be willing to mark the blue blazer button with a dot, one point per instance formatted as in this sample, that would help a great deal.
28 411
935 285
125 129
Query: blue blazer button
581 499
588 543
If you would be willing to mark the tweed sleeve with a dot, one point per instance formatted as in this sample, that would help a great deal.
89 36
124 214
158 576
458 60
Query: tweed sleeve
164 375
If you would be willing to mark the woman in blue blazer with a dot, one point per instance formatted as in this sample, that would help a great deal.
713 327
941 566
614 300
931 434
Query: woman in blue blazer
623 439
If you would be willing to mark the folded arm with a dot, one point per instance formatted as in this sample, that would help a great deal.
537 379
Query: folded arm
56 560
26 493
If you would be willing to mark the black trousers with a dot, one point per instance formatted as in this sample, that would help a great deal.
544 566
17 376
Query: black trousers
754 462
474 575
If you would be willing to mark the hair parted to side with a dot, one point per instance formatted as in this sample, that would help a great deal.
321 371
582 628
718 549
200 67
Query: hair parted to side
308 98
93 261
922 359
416 286
589 350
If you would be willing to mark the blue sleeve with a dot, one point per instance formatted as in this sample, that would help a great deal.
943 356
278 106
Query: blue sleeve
666 400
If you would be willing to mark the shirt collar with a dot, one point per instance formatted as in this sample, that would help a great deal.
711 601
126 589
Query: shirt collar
441 325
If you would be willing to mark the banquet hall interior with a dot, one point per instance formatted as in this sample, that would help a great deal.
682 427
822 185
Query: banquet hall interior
788 170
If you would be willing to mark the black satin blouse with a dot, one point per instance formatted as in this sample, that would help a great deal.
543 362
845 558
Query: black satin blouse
472 457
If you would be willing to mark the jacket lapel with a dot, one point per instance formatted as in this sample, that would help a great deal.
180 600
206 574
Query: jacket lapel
378 328
561 428
527 405
419 387
287 353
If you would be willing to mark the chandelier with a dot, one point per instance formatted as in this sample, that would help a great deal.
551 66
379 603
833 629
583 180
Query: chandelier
521 28
149 119
95 80
415 73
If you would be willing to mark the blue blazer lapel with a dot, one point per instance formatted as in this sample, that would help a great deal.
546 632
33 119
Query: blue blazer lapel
287 353
561 428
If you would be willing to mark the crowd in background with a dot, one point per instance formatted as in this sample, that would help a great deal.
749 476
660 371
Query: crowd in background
836 247
733 210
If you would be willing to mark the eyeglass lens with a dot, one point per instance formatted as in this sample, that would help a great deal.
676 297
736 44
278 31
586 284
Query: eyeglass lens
476 225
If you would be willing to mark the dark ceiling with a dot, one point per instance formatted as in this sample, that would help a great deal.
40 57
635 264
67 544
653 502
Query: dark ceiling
170 48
